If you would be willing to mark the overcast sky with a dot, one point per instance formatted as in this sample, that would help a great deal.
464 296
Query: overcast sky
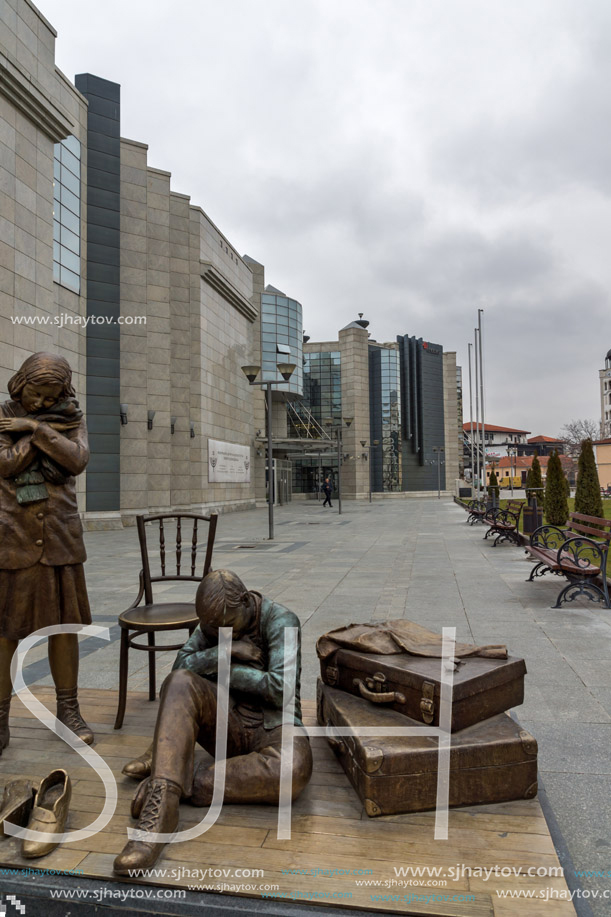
414 160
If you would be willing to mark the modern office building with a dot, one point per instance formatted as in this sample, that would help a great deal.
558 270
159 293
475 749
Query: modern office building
401 401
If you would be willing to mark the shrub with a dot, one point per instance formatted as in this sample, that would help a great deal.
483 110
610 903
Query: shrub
587 494
534 481
493 485
556 505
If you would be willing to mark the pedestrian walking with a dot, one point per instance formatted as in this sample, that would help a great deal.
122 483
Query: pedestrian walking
327 489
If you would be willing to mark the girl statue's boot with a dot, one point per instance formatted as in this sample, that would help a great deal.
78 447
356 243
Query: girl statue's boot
69 714
4 730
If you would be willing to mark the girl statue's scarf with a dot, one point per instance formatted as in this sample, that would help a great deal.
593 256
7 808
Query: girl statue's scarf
30 483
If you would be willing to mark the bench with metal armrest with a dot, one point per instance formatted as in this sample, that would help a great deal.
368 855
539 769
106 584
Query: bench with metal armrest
570 553
476 509
504 522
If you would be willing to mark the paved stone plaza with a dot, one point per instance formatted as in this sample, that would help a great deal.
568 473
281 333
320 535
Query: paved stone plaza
414 559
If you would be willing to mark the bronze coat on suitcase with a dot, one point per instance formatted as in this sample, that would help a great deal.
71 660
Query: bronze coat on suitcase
493 761
410 684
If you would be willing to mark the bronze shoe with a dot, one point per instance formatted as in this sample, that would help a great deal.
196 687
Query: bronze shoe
159 813
50 812
4 730
140 767
16 805
69 714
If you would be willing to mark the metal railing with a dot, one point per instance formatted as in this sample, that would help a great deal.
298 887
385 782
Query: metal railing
302 423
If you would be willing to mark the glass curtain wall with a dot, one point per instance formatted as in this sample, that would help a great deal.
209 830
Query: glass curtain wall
385 413
281 339
322 395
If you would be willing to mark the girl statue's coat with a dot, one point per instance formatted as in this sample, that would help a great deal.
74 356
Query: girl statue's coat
41 540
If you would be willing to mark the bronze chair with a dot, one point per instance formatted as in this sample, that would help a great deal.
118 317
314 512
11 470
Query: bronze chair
152 616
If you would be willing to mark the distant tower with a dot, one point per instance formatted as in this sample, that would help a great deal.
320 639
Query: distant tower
605 398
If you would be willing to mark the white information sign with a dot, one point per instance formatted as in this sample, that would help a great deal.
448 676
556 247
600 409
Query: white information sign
228 463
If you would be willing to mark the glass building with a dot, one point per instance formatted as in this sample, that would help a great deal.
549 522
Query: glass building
323 397
385 417
322 385
281 338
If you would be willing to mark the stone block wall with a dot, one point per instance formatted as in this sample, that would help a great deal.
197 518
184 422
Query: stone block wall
38 108
354 349
179 273
452 425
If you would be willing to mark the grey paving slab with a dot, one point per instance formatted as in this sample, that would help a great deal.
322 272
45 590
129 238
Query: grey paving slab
589 828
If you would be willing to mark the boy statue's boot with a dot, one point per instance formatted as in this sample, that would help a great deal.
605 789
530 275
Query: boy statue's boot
4 730
159 800
69 714
140 767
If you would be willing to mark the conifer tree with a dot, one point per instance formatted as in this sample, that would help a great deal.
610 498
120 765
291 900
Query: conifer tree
587 494
534 481
556 506
493 484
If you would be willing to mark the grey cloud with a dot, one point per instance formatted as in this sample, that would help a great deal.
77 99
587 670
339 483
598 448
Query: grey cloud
561 136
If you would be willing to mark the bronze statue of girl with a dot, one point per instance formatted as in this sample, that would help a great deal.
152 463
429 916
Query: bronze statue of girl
43 445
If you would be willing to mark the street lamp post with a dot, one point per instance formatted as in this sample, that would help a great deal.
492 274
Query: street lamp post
337 429
511 452
251 372
365 445
437 450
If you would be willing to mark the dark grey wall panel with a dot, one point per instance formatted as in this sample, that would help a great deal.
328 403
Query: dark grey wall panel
100 501
103 462
102 254
106 274
103 288
102 197
91 85
102 444
422 412
103 366
102 217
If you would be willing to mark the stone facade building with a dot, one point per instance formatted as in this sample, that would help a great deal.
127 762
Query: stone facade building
39 108
102 262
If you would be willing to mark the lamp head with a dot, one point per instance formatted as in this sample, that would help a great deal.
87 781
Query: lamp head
286 370
251 372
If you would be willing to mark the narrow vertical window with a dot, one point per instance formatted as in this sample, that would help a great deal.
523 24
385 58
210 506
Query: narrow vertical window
67 214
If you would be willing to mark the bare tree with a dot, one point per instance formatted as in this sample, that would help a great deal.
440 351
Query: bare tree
574 433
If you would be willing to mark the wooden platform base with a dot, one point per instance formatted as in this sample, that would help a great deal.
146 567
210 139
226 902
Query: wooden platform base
333 841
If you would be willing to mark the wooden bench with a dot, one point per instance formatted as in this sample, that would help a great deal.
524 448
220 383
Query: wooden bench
570 553
477 509
504 522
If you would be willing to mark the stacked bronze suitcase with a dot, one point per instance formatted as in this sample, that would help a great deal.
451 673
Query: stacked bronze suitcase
492 759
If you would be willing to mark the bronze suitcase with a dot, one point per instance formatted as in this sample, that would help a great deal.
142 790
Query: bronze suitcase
482 687
493 761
